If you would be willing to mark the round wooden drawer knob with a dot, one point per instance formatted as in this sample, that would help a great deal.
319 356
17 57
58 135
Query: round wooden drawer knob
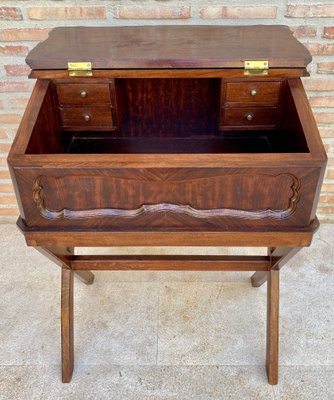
83 94
249 117
87 118
253 92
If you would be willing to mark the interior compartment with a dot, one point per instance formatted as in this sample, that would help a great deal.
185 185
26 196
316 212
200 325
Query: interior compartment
85 144
184 121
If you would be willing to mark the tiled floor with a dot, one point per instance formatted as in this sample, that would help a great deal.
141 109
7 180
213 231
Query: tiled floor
166 335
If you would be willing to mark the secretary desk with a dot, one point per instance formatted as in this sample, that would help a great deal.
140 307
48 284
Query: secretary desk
168 136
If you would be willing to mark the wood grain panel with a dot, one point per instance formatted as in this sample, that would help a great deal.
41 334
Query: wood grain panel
159 198
250 116
256 93
168 107
238 236
45 136
86 118
170 47
96 196
83 94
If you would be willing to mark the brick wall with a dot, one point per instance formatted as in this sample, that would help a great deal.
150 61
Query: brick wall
24 23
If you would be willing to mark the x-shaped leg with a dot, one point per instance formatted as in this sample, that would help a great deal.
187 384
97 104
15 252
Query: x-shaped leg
62 256
279 256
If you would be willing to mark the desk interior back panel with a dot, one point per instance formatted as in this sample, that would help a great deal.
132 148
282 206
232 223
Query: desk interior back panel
173 107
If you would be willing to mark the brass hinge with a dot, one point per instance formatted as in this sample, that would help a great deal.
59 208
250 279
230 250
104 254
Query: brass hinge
255 67
79 68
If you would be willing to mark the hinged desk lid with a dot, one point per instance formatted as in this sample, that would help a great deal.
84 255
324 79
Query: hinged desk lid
144 47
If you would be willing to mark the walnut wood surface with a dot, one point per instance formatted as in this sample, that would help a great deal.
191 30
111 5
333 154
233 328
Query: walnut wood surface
260 116
83 94
259 278
169 47
177 263
272 326
112 191
67 345
59 255
172 73
242 236
39 117
256 92
113 197
278 256
281 255
87 277
310 129
96 117
150 160
62 257
168 107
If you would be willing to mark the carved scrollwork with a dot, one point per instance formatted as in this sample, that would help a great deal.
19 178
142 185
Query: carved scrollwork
168 207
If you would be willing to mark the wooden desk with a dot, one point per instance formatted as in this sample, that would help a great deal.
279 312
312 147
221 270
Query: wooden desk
173 136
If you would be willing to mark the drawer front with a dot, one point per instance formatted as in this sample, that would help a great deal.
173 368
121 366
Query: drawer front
86 117
256 93
250 117
82 94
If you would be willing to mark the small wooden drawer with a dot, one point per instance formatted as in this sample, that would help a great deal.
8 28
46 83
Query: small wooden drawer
86 117
255 93
244 117
83 94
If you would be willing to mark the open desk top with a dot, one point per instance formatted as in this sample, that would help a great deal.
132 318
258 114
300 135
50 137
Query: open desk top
144 47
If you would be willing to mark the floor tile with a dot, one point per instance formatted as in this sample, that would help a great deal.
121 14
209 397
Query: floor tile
116 323
306 324
305 383
30 329
161 383
204 323
21 382
315 264
20 263
298 350
306 310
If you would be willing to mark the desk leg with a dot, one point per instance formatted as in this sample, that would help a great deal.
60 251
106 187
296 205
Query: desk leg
272 326
258 278
86 277
279 256
61 256
67 353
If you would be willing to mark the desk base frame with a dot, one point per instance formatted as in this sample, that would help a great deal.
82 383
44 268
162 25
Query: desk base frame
282 246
